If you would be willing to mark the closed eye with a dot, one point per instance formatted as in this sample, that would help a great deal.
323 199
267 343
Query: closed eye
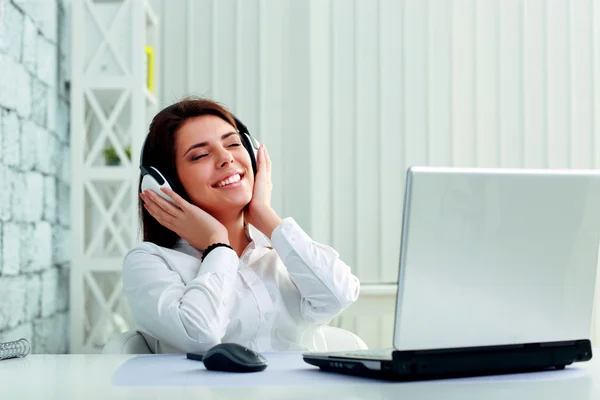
198 157
195 158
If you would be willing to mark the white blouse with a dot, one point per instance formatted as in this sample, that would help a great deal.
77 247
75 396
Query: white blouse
269 299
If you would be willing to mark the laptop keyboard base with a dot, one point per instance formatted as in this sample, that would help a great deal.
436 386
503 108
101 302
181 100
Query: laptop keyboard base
375 354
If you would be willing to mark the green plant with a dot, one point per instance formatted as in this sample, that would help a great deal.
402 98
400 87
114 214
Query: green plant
112 158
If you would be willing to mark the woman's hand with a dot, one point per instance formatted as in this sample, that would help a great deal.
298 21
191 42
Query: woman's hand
259 212
196 226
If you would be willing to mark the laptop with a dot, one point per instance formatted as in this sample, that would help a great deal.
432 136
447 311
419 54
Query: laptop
497 274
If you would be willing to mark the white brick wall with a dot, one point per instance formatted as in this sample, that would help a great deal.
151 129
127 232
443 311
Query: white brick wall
39 99
51 105
15 82
49 199
12 306
42 240
11 36
34 196
11 132
46 60
64 204
43 152
29 45
24 330
28 252
7 88
49 289
61 245
62 121
11 260
33 288
49 334
28 146
19 194
5 195
34 167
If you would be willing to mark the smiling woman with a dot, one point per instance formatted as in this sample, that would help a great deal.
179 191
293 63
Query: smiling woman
176 146
217 263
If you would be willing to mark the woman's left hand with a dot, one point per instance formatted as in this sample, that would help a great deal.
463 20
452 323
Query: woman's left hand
259 212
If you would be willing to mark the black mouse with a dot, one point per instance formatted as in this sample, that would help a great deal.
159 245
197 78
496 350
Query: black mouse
232 357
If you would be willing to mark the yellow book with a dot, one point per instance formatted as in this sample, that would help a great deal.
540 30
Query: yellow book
150 68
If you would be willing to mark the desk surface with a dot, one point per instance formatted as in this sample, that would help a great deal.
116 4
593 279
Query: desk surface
89 376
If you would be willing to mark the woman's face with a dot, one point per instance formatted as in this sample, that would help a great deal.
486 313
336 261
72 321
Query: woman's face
213 165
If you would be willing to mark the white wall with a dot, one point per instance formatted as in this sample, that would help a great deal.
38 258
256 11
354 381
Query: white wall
253 57
35 225
347 94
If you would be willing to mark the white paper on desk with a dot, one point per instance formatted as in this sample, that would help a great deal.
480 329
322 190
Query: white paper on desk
284 369
177 370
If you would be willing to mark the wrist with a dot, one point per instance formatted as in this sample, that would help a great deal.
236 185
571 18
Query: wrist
261 211
220 238
268 220
212 247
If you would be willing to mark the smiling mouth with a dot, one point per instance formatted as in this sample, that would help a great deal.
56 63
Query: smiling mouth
229 181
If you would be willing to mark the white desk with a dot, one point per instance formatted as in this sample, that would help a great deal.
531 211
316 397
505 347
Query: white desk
89 376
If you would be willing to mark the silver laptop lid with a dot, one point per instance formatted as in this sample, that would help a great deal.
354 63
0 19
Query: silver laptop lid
496 256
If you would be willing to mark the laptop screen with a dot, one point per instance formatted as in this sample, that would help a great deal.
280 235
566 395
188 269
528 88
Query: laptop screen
493 257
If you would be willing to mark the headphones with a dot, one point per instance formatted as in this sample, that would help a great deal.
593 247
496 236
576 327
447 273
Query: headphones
153 179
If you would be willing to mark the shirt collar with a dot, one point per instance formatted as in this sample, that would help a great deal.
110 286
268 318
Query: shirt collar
257 237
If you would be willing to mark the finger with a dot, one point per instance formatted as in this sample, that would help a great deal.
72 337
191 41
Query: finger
160 216
262 166
180 201
165 219
166 206
268 160
152 200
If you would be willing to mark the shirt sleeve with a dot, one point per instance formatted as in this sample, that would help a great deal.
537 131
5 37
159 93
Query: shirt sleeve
325 282
190 317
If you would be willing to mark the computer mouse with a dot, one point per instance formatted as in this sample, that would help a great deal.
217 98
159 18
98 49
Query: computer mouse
232 357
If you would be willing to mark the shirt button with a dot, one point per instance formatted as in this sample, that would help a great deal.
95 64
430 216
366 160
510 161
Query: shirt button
267 316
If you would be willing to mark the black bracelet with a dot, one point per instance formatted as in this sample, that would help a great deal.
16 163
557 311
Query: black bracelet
212 247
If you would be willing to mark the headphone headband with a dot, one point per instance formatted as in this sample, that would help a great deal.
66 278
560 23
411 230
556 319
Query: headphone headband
240 126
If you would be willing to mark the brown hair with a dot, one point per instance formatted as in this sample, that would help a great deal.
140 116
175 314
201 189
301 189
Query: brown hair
159 152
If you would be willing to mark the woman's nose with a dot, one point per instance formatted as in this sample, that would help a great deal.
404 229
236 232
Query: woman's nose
225 158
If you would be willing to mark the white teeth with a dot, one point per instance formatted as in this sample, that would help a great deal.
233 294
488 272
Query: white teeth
230 180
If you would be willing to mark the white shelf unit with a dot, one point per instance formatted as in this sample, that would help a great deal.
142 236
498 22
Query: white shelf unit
111 108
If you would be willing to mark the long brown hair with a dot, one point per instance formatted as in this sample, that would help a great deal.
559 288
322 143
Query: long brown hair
159 152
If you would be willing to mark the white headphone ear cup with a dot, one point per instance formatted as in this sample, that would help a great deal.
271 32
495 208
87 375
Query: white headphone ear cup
255 146
149 183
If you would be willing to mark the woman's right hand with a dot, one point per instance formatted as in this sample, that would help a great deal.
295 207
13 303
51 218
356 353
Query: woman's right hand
196 226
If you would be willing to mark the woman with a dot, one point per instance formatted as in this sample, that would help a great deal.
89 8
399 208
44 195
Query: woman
206 273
